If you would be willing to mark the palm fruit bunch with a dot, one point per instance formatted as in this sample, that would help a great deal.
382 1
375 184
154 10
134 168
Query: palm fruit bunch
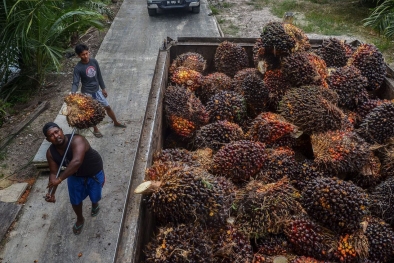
335 52
382 200
380 240
369 175
367 106
352 247
188 194
230 58
273 245
181 243
280 162
277 87
281 39
239 78
368 59
378 125
231 245
263 208
307 171
184 111
339 151
337 204
239 160
255 93
226 105
173 155
310 239
83 111
187 77
261 258
350 86
312 109
191 60
262 60
217 134
304 68
303 259
212 84
273 130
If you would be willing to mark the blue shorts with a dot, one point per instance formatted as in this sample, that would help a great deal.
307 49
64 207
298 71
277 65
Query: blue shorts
100 98
81 187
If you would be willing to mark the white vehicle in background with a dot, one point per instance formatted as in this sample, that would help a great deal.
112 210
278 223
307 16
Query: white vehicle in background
155 5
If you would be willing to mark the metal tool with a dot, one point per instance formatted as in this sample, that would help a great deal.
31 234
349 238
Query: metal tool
64 157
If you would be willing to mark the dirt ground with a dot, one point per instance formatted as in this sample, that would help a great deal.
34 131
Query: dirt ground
16 159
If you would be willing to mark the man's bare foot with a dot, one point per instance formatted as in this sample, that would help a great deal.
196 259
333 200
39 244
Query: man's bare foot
119 125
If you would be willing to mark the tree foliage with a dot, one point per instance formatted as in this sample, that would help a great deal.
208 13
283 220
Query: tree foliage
382 18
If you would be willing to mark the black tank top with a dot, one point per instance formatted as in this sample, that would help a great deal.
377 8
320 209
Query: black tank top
91 165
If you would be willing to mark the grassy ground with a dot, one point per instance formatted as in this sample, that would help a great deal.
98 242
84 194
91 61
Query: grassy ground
327 17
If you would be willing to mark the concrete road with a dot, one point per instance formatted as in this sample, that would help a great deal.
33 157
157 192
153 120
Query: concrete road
127 58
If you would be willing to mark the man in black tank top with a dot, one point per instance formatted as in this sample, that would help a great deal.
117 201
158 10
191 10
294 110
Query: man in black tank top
84 171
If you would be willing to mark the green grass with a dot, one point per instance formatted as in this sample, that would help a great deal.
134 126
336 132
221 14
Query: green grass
258 4
231 30
215 11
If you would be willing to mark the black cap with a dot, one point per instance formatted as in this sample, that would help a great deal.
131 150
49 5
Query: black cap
49 125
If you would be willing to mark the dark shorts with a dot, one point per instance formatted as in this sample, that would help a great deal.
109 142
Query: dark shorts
81 187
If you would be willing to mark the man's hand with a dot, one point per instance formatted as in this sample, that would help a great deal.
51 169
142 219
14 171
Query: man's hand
104 93
50 198
54 182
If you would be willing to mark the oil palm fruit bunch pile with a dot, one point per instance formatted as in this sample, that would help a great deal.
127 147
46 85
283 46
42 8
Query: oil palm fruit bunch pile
187 77
83 111
380 240
239 160
217 134
312 108
277 87
310 239
382 200
281 159
280 162
226 105
230 58
304 68
282 39
339 205
339 151
181 243
191 60
188 194
378 125
211 84
368 59
273 130
350 85
184 111
335 52
263 208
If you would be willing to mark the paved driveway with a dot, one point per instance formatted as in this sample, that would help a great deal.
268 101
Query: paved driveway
127 58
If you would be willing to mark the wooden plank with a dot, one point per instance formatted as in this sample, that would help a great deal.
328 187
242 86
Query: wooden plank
8 213
43 106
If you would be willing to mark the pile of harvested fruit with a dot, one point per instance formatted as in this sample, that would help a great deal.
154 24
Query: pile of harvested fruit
291 160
